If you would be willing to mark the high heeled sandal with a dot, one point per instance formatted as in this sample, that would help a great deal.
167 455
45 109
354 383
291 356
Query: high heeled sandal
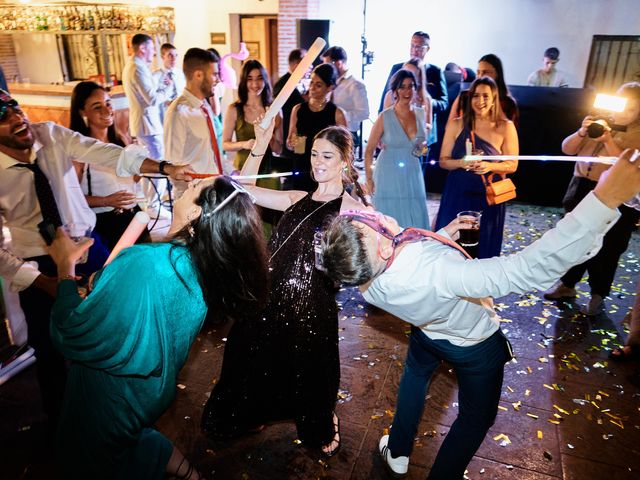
336 430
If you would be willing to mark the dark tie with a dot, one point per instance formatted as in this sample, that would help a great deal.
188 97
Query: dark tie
48 206
214 139
411 235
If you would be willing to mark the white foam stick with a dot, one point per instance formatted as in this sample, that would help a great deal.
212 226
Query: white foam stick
137 225
543 158
313 51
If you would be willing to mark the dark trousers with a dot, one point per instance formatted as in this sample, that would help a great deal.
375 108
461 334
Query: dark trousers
479 369
602 267
111 225
36 305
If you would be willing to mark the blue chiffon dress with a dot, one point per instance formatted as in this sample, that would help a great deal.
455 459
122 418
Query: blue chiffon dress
399 186
465 190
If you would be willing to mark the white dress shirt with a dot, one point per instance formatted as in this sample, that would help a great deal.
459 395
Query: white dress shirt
350 94
432 286
104 182
187 140
172 90
144 96
55 149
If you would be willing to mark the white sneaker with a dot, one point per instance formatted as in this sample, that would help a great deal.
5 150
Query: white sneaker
397 466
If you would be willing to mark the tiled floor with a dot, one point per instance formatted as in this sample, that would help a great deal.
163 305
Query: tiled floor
566 411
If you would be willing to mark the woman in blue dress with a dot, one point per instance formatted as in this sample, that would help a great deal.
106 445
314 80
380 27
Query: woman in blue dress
396 183
485 126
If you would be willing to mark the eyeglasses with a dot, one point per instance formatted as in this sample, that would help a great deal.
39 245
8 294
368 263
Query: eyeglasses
5 105
237 189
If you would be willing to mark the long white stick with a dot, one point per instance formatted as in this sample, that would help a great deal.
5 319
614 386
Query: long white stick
293 81
130 235
543 158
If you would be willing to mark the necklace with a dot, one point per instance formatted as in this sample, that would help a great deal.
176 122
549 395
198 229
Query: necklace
323 204
317 108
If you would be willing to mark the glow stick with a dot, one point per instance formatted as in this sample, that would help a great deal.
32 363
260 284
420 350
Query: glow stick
242 177
543 158
134 229
293 81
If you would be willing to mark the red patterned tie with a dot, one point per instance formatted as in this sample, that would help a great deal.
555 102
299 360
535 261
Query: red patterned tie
214 140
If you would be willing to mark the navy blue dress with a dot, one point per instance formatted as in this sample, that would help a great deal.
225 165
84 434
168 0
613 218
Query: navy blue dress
465 190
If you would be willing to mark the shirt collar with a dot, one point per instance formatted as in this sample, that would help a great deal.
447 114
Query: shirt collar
192 100
6 161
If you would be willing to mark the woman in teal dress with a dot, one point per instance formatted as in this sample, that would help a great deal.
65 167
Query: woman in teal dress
396 182
130 337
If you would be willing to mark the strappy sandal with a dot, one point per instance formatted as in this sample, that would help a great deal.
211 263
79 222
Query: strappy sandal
336 429
624 354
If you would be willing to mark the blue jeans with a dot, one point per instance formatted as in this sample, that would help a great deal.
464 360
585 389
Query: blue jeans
479 369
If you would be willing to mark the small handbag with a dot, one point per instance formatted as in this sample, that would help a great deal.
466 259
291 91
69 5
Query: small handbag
500 191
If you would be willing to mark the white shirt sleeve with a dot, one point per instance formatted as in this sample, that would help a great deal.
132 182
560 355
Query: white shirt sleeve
577 237
149 93
360 111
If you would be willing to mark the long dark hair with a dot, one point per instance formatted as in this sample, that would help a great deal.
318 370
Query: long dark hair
228 251
243 92
398 78
81 92
496 63
342 139
468 115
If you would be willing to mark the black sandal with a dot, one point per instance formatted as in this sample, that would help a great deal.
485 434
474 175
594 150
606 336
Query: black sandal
336 429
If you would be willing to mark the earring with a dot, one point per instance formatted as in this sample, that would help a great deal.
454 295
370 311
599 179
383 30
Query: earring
85 120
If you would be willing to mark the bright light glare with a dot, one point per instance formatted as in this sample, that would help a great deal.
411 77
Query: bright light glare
610 102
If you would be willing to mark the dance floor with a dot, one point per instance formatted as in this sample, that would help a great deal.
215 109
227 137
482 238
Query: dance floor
566 410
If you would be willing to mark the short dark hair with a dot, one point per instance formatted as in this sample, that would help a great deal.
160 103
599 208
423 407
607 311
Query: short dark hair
296 55
165 47
327 73
335 54
552 53
496 63
197 59
139 39
344 253
421 34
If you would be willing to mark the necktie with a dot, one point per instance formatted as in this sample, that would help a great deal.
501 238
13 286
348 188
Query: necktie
48 206
212 134
411 235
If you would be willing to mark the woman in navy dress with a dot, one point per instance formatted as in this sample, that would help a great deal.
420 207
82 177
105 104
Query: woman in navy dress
485 126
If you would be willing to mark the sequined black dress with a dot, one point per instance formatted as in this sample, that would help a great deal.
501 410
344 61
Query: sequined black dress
284 363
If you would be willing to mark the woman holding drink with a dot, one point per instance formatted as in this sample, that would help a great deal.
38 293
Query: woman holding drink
484 130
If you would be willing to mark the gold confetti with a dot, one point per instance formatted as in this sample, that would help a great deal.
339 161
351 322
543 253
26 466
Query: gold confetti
509 388
547 386
555 422
181 386
561 410
503 408
527 392
617 424
539 434
516 405
535 417
603 393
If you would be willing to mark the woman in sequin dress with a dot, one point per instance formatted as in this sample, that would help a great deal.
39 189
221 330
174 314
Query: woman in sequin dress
284 363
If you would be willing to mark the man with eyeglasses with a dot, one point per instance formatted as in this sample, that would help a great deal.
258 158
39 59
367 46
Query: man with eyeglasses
436 84
418 277
39 192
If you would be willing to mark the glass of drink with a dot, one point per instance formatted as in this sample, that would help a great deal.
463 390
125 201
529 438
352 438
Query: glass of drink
78 232
300 145
470 237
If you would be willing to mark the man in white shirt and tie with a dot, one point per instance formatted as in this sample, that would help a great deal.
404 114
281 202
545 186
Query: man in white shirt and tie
189 137
421 279
350 94
39 192
145 96
169 75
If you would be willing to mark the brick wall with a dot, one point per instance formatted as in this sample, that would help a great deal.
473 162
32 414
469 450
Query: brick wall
8 58
288 12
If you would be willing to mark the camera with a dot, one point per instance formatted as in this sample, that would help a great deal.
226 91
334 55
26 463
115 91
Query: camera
597 128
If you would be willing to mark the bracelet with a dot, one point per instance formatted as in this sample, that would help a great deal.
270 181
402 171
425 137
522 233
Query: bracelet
67 277
257 155
161 166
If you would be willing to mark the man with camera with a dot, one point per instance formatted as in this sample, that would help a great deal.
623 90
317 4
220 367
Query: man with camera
600 137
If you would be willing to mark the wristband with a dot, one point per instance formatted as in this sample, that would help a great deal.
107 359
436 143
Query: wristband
257 155
161 166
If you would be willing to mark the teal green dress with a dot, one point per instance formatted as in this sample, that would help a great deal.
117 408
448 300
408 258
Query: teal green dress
127 342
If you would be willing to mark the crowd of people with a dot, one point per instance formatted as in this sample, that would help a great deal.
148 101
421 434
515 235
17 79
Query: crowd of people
108 368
